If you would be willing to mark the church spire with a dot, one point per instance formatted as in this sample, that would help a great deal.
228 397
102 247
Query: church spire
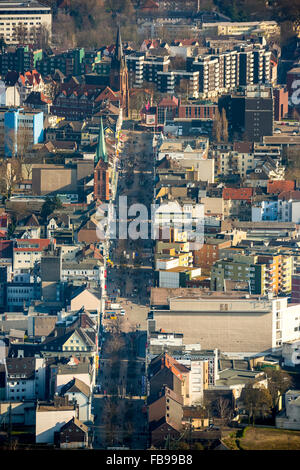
118 57
101 147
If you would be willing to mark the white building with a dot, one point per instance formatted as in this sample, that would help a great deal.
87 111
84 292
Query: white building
25 378
27 252
291 353
62 374
232 323
28 15
51 417
87 299
84 271
290 417
187 354
78 391
9 95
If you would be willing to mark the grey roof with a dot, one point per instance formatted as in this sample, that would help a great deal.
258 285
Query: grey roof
231 377
76 385
21 365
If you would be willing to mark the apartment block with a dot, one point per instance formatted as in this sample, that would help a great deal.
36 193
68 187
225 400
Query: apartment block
30 15
19 127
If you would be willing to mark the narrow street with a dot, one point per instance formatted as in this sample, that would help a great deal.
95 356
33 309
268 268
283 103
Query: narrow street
119 404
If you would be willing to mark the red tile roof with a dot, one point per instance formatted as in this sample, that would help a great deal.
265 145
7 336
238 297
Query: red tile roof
277 187
287 195
238 193
42 244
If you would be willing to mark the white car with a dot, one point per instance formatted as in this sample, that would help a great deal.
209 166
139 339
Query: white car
122 311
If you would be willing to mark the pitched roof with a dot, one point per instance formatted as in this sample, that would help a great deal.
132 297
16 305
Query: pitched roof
278 186
101 153
287 195
32 244
76 422
237 193
165 360
6 249
76 386
37 98
21 365
30 221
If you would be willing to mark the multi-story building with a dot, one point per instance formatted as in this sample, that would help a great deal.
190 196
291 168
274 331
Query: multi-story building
263 273
25 378
22 291
236 28
209 75
284 207
20 59
20 129
224 71
28 16
250 112
28 252
281 102
143 68
186 83
232 322
237 158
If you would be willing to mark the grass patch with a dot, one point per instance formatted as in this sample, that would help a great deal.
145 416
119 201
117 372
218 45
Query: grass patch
269 439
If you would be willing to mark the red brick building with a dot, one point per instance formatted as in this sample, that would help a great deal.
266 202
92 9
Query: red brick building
281 102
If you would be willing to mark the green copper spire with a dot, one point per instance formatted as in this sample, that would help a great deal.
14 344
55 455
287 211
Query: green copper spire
101 147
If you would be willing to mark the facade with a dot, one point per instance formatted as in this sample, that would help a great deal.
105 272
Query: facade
291 352
25 379
290 417
78 273
30 16
20 293
250 113
28 252
51 417
20 128
232 323
281 102
77 391
72 435
263 273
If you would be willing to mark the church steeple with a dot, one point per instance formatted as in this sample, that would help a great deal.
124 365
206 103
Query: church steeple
118 55
101 146
118 80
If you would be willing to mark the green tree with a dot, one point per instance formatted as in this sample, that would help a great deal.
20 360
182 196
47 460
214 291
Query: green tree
257 401
50 205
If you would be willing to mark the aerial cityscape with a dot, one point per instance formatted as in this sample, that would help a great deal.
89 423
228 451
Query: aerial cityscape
149 226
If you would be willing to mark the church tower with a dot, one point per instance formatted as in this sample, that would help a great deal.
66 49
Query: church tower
101 171
119 74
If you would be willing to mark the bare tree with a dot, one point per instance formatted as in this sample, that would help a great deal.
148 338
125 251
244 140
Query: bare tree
223 408
217 127
224 122
10 175
21 33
